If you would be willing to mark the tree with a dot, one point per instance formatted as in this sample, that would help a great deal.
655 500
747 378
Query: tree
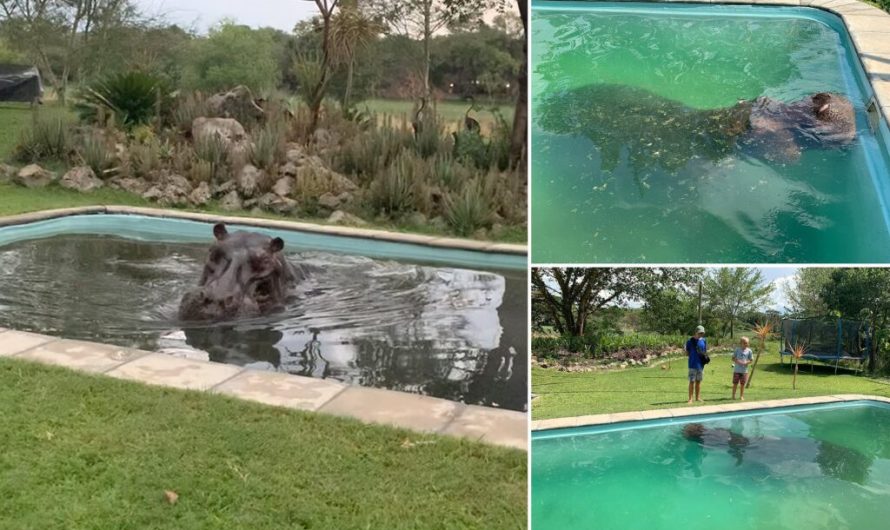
671 310
520 118
862 293
316 93
351 31
56 34
233 55
806 295
732 292
572 296
424 18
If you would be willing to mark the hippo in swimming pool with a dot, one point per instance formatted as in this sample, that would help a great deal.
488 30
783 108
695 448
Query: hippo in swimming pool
246 274
651 130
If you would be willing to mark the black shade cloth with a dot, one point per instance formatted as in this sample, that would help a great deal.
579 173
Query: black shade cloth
20 83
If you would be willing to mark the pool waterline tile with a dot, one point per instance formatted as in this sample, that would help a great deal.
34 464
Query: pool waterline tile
83 356
16 342
281 390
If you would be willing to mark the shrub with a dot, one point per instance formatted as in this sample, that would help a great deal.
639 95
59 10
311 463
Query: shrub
469 209
428 141
95 153
369 152
133 98
145 158
47 139
267 148
392 191
188 109
201 171
470 148
212 149
308 70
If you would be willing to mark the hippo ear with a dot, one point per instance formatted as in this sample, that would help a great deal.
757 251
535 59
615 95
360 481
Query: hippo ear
276 244
220 232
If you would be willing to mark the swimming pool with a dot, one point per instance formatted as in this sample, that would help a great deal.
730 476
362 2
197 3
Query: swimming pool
814 466
443 322
620 170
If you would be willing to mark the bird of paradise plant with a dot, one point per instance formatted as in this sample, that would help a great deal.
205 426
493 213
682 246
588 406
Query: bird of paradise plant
762 331
797 351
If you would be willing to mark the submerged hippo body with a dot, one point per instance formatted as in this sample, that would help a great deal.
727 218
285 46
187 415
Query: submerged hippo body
651 130
246 274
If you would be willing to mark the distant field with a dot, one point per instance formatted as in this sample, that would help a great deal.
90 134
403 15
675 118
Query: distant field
450 111
14 117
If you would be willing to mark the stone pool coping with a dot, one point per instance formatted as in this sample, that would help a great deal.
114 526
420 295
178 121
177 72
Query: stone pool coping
414 412
341 231
680 412
868 26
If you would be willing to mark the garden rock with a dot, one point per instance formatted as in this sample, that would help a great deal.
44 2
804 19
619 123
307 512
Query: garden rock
81 179
134 185
170 190
417 219
222 189
325 139
283 187
295 154
249 181
343 218
6 173
237 103
274 203
232 134
200 195
231 202
34 176
289 170
329 201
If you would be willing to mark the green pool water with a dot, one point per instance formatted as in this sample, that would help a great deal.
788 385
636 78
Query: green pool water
603 192
817 467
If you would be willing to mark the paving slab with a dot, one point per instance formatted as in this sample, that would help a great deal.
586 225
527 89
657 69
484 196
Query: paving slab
164 370
283 390
593 419
497 426
83 356
410 411
875 24
656 414
554 423
15 342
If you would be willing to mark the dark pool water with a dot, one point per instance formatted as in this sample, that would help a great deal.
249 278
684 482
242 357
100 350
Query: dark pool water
446 332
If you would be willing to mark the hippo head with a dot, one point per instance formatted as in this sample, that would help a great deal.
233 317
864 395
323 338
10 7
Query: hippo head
245 274
821 104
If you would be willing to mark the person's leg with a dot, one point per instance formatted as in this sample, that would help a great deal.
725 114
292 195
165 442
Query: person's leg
698 390
734 386
691 386
744 381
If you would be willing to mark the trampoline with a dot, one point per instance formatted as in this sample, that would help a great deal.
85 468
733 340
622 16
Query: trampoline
20 83
827 340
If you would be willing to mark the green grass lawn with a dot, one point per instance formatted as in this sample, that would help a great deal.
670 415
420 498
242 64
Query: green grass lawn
14 117
451 111
564 394
92 452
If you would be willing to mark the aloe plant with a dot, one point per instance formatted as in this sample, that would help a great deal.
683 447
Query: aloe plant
762 331
797 351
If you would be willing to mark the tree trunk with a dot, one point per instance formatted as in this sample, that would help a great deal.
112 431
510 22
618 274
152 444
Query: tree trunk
519 137
794 380
753 367
427 37
347 95
318 93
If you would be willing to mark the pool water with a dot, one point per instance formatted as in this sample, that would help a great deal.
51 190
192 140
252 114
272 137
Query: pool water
816 467
618 175
447 332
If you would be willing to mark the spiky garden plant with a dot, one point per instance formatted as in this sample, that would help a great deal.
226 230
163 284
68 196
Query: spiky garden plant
762 331
797 351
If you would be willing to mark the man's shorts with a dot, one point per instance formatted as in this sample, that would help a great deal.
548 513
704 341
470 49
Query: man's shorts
695 375
738 377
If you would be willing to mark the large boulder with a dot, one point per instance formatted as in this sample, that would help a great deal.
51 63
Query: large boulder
170 190
314 168
275 203
82 179
34 176
283 187
237 103
231 132
344 218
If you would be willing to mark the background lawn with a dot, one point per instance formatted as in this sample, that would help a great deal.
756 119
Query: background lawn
15 117
451 111
93 452
563 394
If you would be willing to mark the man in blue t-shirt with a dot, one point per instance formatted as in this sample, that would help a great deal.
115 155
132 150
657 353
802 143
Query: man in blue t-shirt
695 348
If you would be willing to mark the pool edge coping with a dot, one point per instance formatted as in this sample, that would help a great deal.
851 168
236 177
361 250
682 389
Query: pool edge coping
490 247
853 14
630 417
422 414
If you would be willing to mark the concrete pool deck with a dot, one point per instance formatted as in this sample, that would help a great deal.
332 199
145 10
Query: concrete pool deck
370 405
869 29
693 410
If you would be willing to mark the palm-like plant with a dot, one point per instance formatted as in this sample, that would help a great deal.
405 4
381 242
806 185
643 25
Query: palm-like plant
351 31
762 331
133 98
797 351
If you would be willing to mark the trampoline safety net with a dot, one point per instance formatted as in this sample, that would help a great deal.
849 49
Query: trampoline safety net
20 83
827 337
